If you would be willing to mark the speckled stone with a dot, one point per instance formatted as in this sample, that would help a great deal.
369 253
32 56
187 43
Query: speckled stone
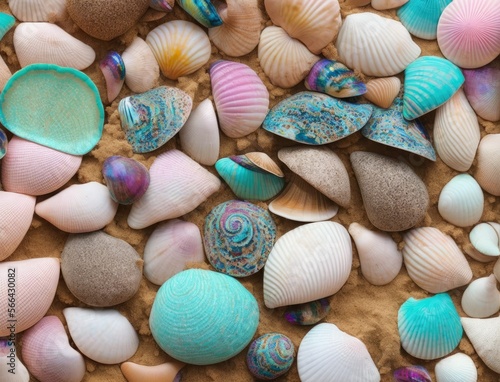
395 198
99 269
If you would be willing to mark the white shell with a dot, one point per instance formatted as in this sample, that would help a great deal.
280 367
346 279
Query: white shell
382 5
375 45
103 335
79 208
378 254
434 261
47 43
458 367
307 263
142 72
461 201
37 10
326 353
20 374
488 164
485 238
481 298
5 73
484 334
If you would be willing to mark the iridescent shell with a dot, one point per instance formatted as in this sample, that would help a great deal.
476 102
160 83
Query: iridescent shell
152 118
6 22
308 313
3 143
113 69
412 374
482 89
238 237
162 5
315 118
202 11
270 356
421 17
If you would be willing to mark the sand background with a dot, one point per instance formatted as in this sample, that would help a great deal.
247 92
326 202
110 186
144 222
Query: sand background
359 308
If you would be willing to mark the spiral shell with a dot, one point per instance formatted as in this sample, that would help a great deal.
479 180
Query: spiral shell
270 356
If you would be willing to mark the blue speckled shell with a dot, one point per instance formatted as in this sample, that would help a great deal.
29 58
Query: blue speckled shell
421 17
412 374
316 118
308 313
270 356
6 22
3 143
202 11
203 317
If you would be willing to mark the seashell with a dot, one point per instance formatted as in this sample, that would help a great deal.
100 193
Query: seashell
270 356
238 237
5 74
103 335
468 32
461 201
240 32
382 91
378 254
170 249
433 260
113 69
456 132
391 47
77 125
15 220
48 354
196 307
143 72
481 299
382 5
285 61
315 23
180 47
3 144
264 162
322 273
33 169
429 328
240 96
165 372
484 335
487 171
50 44
456 367
127 180
333 78
202 11
394 197
35 283
178 185
482 88
421 17
442 80
309 313
9 361
200 134
328 353
79 208
6 22
485 237
412 374
162 5
315 118
152 118
37 10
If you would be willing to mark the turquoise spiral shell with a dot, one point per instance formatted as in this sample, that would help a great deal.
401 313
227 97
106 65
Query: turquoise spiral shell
203 317
270 356
421 17
202 11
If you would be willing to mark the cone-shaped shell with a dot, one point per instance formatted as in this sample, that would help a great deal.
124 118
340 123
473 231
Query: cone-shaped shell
142 72
326 353
37 10
433 260
458 367
488 164
291 279
9 360
481 299
202 11
421 17
382 5
484 334
165 372
382 91
485 238
482 88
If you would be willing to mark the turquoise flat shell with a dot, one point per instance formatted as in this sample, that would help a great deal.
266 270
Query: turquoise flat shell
429 83
309 313
270 356
3 143
152 118
6 22
203 317
202 11
429 328
238 237
388 127
420 17
53 106
316 118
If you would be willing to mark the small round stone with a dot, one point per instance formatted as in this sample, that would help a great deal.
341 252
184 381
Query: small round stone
308 313
270 356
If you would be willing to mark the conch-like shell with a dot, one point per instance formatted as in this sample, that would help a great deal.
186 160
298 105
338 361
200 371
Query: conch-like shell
165 372
142 70
37 10
382 91
488 164
481 299
484 334
456 367
485 238
11 371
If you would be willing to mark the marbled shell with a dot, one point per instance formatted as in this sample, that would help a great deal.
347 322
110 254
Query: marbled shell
37 10
3 144
487 171
165 372
113 69
482 88
309 313
142 72
202 11
421 17
457 367
270 356
21 373
382 91
481 299
484 334
412 374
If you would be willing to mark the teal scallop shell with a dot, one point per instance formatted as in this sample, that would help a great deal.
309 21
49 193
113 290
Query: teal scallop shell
429 328
316 118
203 317
238 237
421 17
6 22
202 11
270 356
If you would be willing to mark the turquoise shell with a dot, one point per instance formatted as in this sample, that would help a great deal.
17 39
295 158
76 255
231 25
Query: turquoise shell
316 118
152 118
203 317
270 356
6 22
238 237
412 374
420 17
53 106
308 313
3 143
202 11
429 328
429 83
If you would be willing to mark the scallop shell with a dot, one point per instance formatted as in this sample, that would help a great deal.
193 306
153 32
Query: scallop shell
6 23
113 69
7 355
202 11
421 17
433 260
481 299
264 162
285 61
326 353
485 238
143 72
37 10
291 278
484 334
458 367
382 91
309 313
165 372
412 374
180 47
270 356
429 328
382 5
5 74
487 171
482 88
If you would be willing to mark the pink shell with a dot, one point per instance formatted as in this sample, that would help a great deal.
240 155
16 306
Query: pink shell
482 88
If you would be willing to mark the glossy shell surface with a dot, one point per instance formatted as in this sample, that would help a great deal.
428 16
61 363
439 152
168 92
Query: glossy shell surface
308 313
270 356
412 374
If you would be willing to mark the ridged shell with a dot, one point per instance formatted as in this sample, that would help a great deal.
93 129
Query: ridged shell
326 353
285 61
202 11
461 201
7 354
484 334
33 169
5 74
382 91
481 299
211 316
485 238
264 162
180 47
241 98
421 17
164 372
270 356
487 171
6 23
458 367
382 5
37 10
433 260
143 72
412 374
291 278
309 313
113 70
482 88
429 328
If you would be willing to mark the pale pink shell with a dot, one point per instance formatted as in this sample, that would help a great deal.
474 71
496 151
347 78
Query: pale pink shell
488 164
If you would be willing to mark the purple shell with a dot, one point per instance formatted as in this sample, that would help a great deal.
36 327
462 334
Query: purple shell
270 356
308 313
412 374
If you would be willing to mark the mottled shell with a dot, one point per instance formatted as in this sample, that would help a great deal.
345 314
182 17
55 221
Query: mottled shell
487 171
309 313
484 334
457 366
143 72
270 356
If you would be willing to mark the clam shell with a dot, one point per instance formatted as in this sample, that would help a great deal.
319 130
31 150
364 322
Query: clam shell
270 356
290 278
202 11
7 355
484 334
3 144
429 328
5 74
309 313
487 171
481 299
264 162
482 88
165 372
412 374
458 367
37 10
382 5
421 17
143 72
113 69
327 353
433 260
485 237
382 91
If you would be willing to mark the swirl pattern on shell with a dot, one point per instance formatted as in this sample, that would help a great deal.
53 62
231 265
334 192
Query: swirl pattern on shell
270 356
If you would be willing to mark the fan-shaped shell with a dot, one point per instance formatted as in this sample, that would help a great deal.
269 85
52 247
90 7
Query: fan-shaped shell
481 298
485 238
488 164
291 277
143 72
482 88
484 334
382 91
165 372
270 356
458 367
421 17
8 353
37 10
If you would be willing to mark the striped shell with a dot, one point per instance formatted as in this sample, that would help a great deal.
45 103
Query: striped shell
270 356
485 238
382 91
5 74
458 367
142 73
421 17
37 10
